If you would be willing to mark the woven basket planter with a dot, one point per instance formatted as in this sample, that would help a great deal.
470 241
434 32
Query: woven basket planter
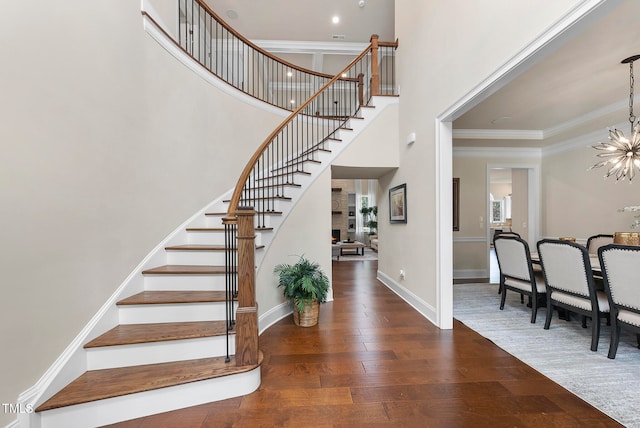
309 317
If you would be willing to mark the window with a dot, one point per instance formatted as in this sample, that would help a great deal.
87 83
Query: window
497 211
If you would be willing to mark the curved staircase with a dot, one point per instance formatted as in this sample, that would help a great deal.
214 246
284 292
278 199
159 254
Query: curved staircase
172 334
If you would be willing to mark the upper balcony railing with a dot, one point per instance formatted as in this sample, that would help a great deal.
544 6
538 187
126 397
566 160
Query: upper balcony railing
244 65
233 58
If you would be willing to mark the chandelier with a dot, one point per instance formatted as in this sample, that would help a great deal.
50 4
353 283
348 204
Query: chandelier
620 153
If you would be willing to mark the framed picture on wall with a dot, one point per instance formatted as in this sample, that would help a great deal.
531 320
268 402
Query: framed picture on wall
456 204
398 204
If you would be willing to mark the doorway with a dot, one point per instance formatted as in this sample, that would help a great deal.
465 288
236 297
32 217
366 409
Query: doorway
513 201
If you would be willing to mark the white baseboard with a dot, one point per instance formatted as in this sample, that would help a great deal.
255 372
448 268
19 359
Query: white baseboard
426 310
470 273
273 316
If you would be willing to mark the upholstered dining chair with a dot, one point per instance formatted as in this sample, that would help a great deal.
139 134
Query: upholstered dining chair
516 271
505 233
596 241
570 284
619 264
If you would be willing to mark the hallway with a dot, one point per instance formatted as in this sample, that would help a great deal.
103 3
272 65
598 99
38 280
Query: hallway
373 360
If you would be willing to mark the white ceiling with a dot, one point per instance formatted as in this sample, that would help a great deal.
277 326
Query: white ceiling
580 88
308 20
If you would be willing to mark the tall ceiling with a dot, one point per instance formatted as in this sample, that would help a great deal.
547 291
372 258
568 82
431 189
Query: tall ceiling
308 20
579 88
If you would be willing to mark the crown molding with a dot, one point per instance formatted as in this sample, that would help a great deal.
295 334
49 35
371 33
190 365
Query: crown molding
585 140
498 134
498 152
517 134
308 47
585 118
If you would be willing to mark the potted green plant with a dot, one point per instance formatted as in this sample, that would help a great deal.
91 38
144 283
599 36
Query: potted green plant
370 218
305 285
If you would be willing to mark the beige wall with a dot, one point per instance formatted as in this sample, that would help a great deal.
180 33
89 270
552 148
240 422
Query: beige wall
447 47
500 190
307 232
108 144
580 203
470 244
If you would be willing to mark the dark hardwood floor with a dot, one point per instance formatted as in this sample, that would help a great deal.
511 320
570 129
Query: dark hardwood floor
374 361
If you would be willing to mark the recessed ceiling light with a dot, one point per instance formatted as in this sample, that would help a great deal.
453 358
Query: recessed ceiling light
232 14
335 19
289 74
292 101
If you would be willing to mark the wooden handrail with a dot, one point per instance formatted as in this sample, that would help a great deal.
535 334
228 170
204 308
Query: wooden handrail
237 193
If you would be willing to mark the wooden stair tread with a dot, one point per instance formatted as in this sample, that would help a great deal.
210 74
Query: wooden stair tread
185 270
221 229
201 247
265 198
102 384
283 175
195 247
128 334
257 212
169 297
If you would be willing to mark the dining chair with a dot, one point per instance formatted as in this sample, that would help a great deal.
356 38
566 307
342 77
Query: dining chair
619 264
501 232
516 272
596 241
570 285
504 233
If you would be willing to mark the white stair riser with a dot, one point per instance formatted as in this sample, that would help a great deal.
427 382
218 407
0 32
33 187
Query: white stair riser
214 237
184 282
195 257
142 404
108 357
145 314
205 237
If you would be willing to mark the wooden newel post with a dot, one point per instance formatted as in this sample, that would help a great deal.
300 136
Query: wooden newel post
375 73
247 312
361 89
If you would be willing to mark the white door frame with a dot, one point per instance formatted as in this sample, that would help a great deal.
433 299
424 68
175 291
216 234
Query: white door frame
533 201
577 19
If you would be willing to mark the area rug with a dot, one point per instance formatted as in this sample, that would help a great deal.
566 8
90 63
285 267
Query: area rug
561 353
